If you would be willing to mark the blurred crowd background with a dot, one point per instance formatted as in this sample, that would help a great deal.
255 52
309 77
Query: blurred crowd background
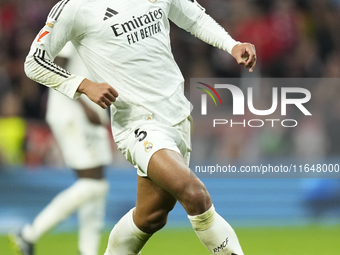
293 38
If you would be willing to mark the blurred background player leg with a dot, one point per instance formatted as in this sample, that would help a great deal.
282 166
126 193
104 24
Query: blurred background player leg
88 196
79 127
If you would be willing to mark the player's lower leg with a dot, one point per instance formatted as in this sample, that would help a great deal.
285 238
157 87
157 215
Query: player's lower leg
168 169
126 238
63 205
215 233
91 221
136 227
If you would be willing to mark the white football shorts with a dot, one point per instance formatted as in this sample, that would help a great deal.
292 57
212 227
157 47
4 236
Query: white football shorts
83 144
149 136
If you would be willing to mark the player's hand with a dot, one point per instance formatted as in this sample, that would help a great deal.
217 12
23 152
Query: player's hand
245 54
100 93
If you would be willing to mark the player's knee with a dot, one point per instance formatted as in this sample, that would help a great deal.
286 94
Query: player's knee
195 199
155 221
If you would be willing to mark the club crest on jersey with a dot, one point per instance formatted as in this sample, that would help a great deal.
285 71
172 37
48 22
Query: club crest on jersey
148 146
153 1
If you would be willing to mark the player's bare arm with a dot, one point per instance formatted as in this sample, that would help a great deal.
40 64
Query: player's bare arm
245 54
100 93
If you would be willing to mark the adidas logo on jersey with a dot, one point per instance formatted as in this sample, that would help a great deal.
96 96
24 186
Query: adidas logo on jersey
109 13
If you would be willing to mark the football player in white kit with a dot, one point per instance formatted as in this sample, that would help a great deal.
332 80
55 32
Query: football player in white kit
125 45
79 127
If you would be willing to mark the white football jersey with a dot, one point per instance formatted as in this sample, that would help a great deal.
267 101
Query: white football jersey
59 106
126 44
